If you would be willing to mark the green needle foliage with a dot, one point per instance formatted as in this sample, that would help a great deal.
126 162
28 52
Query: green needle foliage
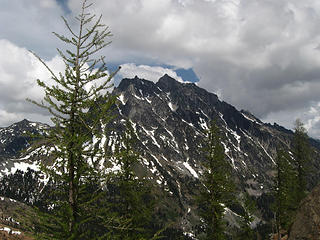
80 106
245 231
132 199
217 186
301 154
284 191
290 179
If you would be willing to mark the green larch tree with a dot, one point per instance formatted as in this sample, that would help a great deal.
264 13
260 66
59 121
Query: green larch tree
80 105
284 191
246 218
217 186
132 199
301 155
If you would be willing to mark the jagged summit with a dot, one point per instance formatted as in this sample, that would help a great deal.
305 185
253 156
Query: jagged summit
139 83
185 99
166 82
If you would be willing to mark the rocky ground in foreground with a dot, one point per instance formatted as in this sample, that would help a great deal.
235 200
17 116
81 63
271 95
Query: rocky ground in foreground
13 220
307 221
7 233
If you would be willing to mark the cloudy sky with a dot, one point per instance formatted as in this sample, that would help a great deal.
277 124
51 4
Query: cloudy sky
258 55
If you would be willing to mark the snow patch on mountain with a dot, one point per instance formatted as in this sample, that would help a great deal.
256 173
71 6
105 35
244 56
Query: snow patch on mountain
190 169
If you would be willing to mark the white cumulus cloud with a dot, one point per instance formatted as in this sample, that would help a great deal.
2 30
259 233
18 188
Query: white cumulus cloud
19 70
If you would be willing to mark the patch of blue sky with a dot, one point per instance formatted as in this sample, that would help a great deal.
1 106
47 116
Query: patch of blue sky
64 5
187 74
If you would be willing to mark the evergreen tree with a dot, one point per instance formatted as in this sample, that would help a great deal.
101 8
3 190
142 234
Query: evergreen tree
217 186
301 154
290 180
246 232
284 191
80 106
133 200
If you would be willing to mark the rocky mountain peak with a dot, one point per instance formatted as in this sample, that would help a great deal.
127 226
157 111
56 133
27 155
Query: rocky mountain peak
23 122
167 83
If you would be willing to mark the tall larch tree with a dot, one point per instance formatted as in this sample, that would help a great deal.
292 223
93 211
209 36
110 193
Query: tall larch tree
217 186
246 218
132 200
284 191
301 155
80 106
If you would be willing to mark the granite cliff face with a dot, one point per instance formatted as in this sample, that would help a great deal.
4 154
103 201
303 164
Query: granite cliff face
170 120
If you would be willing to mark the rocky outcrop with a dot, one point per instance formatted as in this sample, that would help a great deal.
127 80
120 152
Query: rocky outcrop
307 221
